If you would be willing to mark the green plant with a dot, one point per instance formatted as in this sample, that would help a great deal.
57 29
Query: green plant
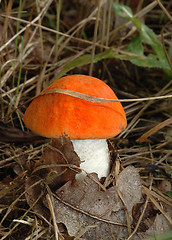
145 36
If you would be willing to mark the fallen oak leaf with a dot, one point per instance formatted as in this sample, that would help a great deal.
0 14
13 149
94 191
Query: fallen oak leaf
76 219
34 193
83 204
54 164
88 214
51 169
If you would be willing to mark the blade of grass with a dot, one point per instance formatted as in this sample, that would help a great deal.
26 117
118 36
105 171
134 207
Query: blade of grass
20 69
58 18
95 37
16 40
17 28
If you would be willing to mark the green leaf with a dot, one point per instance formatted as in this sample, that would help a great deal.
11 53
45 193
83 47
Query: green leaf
122 10
150 61
83 60
147 36
135 46
138 59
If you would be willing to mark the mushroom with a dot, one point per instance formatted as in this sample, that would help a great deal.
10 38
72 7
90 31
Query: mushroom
87 124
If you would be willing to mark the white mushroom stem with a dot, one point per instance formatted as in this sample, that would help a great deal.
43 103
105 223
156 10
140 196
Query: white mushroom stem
94 156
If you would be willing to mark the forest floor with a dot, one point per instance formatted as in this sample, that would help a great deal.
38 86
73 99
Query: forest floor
127 46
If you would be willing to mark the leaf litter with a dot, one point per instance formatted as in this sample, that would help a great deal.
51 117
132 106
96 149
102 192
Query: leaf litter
85 204
83 207
24 175
57 165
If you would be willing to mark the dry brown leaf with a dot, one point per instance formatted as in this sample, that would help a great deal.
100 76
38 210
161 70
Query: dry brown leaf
57 163
34 195
10 134
49 169
165 186
84 204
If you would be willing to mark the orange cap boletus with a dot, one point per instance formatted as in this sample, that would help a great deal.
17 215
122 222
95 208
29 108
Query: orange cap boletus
53 115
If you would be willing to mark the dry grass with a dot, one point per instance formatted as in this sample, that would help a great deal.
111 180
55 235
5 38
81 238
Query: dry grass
35 48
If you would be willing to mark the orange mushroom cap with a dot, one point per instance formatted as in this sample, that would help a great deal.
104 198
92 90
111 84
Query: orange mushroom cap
54 114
